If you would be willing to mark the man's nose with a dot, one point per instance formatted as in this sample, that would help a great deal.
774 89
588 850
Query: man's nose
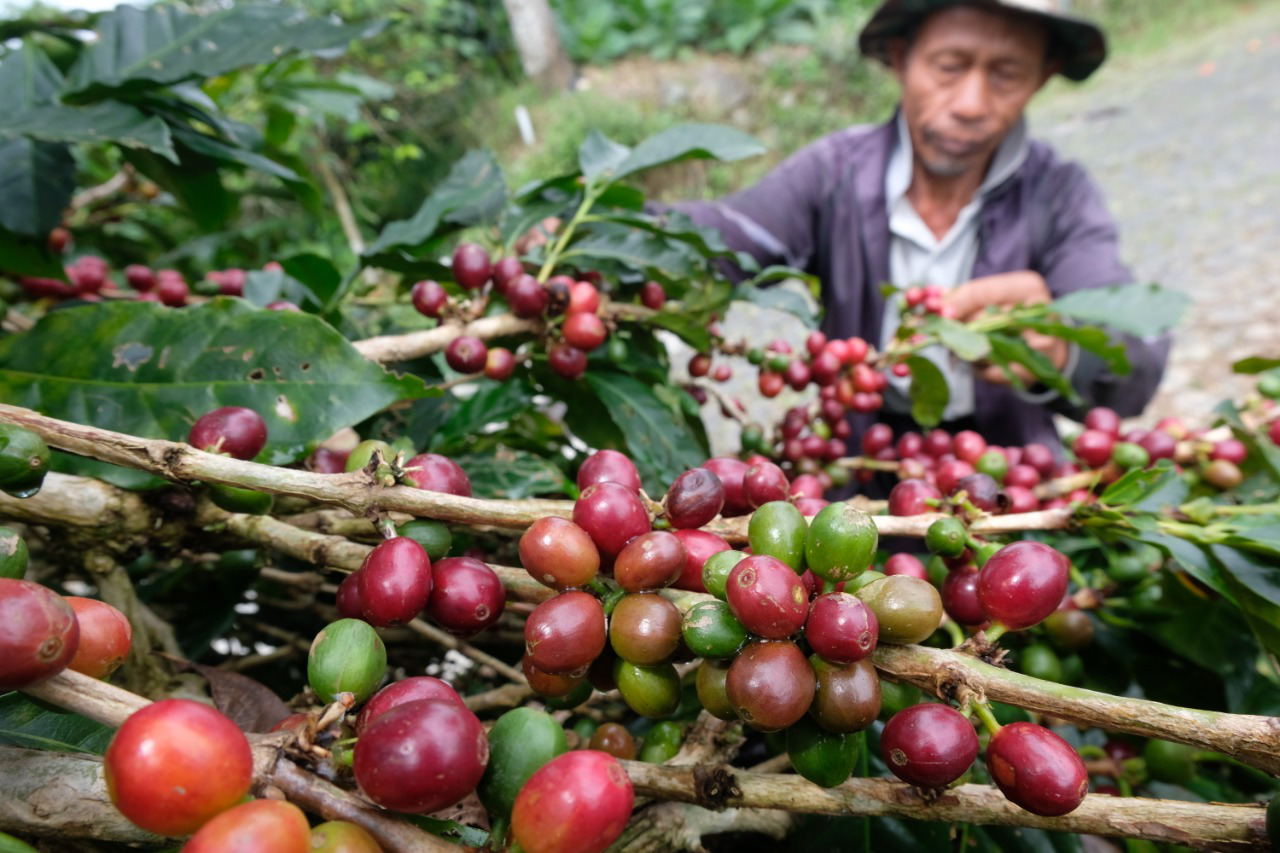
971 98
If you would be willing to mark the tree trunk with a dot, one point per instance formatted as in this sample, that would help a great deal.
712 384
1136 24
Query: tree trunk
541 53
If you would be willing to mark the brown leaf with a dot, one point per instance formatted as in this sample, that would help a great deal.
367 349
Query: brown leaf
251 705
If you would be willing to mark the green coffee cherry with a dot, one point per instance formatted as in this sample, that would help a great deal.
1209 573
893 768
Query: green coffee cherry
13 554
820 756
662 742
840 543
236 499
715 571
520 742
710 630
347 656
24 460
778 530
1128 455
994 464
363 452
650 691
946 537
433 536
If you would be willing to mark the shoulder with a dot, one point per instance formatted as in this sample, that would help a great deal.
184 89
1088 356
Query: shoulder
847 145
1052 176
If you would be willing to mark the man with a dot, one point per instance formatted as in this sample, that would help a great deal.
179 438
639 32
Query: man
952 192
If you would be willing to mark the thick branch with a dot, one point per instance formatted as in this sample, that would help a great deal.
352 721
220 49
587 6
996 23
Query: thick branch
83 502
1221 827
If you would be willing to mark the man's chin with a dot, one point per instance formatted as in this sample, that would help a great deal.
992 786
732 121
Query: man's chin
948 167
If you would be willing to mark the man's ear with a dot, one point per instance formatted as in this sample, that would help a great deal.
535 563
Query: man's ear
898 56
1051 67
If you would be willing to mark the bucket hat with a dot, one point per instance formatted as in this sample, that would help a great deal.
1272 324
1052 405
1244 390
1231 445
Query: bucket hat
1081 43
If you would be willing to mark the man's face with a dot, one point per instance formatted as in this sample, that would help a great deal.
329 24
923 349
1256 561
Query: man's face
965 81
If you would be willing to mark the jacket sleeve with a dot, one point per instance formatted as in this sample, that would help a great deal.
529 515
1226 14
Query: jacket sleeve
1081 252
774 220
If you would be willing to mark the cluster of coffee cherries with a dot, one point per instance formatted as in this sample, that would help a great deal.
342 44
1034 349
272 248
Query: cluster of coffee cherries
581 331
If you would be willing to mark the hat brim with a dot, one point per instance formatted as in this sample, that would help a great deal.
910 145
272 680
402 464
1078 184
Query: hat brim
1083 45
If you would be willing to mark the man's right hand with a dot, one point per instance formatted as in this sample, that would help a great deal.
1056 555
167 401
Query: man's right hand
538 235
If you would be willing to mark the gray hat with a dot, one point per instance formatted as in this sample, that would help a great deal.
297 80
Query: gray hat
1082 43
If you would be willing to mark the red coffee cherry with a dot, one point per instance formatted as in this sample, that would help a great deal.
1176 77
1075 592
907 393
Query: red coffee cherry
499 364
234 430
732 473
1093 447
608 466
548 685
413 689
1159 444
879 437
105 637
395 582
349 604
650 561
910 444
696 497
527 297
905 564
38 633
652 295
767 597
908 498
983 492
429 297
258 825
584 298
421 756
960 597
584 331
1019 500
567 360
1104 420
1022 583
929 746
763 483
1036 769
770 685
466 354
699 544
505 271
563 635
578 802
612 515
471 266
840 628
558 553
175 764
466 596
437 473
951 472
140 277
806 486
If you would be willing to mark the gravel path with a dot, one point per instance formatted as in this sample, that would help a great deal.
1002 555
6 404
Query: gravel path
1186 145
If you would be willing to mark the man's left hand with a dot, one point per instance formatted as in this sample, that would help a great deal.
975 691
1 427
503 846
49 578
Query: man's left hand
1003 291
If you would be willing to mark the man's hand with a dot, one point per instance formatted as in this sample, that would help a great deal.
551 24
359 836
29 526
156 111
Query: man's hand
1006 290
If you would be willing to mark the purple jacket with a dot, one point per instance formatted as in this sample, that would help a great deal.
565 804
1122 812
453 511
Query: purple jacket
823 210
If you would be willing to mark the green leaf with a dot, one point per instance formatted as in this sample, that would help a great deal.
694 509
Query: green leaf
967 344
1007 349
1259 448
689 141
788 299
1090 338
450 830
37 178
1137 484
929 391
23 255
232 153
506 474
109 121
150 48
473 192
146 370
1138 309
653 255
599 154
1192 558
492 403
1255 583
195 182
24 723
660 441
690 329
318 275
1256 364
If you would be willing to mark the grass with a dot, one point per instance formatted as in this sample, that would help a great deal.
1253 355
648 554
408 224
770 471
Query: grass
793 95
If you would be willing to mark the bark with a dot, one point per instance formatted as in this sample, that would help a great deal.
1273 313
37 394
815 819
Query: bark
542 55
1204 825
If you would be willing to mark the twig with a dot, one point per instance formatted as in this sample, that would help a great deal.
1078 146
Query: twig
104 190
449 641
341 205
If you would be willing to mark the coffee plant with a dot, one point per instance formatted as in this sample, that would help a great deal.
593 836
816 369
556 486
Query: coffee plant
447 507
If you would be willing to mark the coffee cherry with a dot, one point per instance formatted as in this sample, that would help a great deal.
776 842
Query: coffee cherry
278 305
824 758
716 569
699 545
1223 474
429 297
1018 500
363 454
711 688
650 691
567 360
466 354
172 291
1036 769
644 628
652 560
258 825
471 266
947 537
175 764
499 364
558 553
909 497
437 473
840 542
699 365
929 746
806 486
520 742
907 609
652 295
770 384
395 582
778 529
1103 420
234 430
770 685
105 637
1159 445
39 634
767 597
466 596
910 444
696 497
339 836
578 802
421 757
710 630
993 464
614 739
608 466
546 684
348 600
960 597
140 277
527 297
847 696
505 271
1022 584
763 483
1172 763
1229 449
347 656
13 554
879 437
840 628
584 331
584 298
612 515
1094 447
413 689
732 473
565 634
905 564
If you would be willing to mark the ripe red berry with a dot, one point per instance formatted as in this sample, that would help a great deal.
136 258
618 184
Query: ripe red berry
584 331
1159 444
471 266
172 291
905 564
175 764
578 802
584 298
767 597
960 597
612 515
348 600
699 545
1230 450
1022 583
650 561
59 238
909 497
797 375
652 295
527 296
764 482
696 497
233 282
1103 420
929 746
1020 500
395 582
105 637
413 689
877 438
770 384
499 364
234 430
770 685
256 825
38 633
466 354
558 553
840 628
565 634
1036 769
608 466
951 472
437 473
429 297
910 444
140 277
505 271
421 756
1093 447
567 360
